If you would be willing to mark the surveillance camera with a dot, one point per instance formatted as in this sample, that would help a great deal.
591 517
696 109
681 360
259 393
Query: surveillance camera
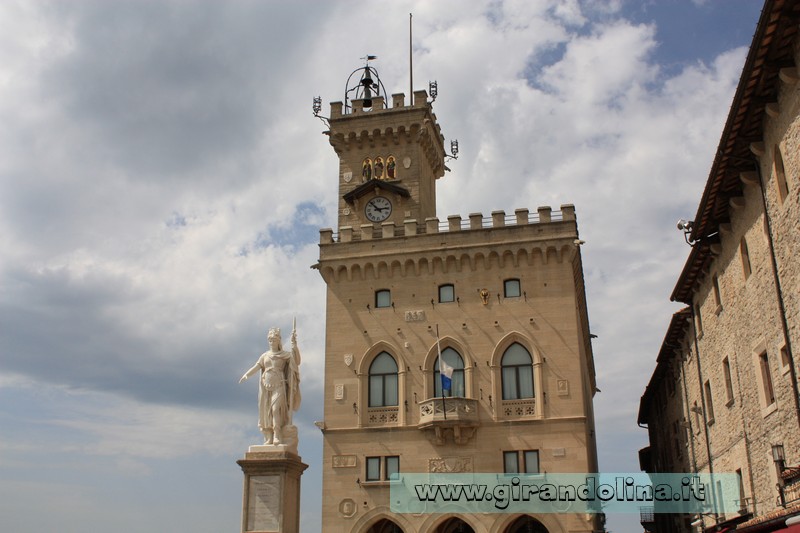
685 225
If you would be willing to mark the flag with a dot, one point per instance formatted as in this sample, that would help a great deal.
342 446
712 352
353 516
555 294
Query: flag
445 370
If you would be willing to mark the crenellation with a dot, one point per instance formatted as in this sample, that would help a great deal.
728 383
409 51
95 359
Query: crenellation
475 220
498 219
455 223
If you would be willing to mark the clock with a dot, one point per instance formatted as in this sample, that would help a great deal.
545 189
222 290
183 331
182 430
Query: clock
378 209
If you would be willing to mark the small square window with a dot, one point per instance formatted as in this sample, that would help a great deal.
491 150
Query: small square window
383 298
531 462
511 462
511 288
447 293
392 467
373 468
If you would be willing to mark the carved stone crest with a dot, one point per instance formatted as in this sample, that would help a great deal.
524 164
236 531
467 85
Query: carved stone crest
450 465
484 296
348 359
347 508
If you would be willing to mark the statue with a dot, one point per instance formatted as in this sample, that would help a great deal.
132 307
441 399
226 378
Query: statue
279 388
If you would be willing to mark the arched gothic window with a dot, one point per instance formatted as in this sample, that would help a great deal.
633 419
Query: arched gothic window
383 381
454 359
517 377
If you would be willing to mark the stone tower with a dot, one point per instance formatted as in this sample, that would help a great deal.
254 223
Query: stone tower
505 294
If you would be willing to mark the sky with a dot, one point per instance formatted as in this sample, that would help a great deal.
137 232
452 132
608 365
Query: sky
163 181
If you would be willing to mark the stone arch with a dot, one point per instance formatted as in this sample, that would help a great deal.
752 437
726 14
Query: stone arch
395 269
382 269
327 273
436 521
341 273
356 273
508 257
510 338
466 262
437 262
523 257
410 268
493 259
451 264
379 515
369 272
537 257
550 254
523 523
479 262
424 267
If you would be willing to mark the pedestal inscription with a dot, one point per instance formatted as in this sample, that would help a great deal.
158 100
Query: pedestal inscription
264 507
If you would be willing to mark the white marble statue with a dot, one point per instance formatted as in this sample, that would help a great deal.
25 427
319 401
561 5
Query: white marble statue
279 389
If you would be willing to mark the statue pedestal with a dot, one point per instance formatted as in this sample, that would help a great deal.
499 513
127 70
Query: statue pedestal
271 496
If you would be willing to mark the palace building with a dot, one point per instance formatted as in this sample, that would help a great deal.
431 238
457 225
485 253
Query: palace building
503 294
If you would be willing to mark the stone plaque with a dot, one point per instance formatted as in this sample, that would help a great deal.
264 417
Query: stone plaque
344 461
264 505
338 392
450 465
415 316
563 387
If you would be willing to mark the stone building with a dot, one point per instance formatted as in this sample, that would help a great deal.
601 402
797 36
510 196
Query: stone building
505 294
724 395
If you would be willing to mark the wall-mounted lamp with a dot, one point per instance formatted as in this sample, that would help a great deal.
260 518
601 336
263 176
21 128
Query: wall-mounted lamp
779 457
686 227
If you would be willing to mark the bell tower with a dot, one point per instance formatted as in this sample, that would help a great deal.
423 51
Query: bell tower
389 157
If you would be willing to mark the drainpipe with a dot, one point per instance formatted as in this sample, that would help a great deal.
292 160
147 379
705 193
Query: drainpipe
703 400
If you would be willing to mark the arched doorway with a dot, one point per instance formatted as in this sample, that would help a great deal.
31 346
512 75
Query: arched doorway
454 525
526 524
385 526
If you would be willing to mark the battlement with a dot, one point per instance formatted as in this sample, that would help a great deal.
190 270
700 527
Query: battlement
358 106
454 224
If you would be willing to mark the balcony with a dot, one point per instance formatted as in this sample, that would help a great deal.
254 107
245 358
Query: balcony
444 416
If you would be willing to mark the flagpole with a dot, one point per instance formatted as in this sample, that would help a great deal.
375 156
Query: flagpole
441 384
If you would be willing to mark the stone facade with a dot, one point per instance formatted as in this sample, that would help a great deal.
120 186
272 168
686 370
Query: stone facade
725 387
487 285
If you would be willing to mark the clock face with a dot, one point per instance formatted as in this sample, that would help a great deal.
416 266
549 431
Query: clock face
378 209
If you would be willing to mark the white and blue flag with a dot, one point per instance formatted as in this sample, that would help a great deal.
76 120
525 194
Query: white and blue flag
445 370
